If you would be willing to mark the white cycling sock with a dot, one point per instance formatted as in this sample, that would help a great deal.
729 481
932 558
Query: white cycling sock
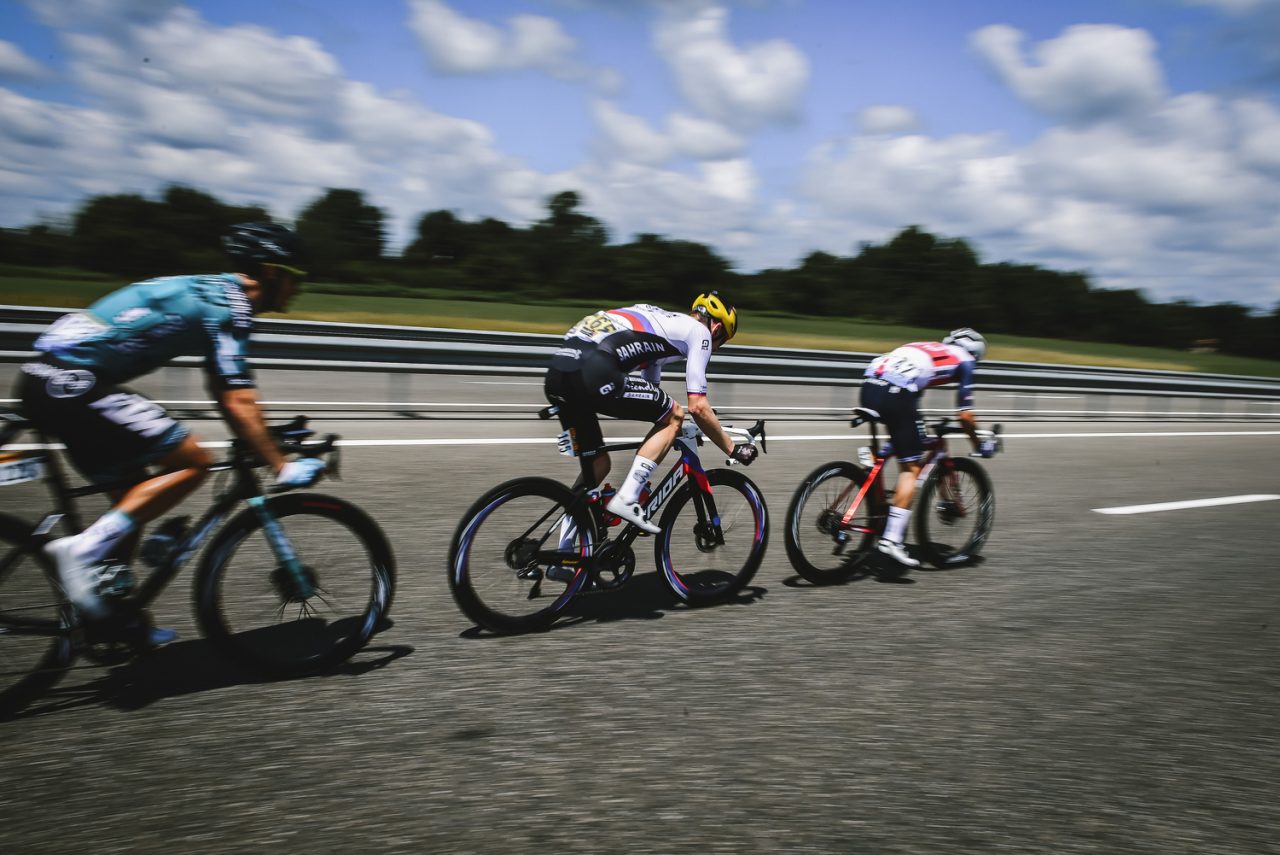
568 533
897 525
96 542
641 469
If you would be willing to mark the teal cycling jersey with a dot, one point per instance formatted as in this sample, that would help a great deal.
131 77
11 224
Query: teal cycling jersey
142 327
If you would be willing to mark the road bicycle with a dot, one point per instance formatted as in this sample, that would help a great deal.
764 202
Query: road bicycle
292 584
527 547
840 510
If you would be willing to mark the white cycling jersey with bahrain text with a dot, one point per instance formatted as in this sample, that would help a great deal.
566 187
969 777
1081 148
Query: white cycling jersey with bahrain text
647 337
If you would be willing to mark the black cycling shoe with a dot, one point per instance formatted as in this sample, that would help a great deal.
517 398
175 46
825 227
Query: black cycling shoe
135 632
563 575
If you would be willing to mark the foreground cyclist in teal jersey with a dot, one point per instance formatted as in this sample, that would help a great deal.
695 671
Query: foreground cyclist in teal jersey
112 434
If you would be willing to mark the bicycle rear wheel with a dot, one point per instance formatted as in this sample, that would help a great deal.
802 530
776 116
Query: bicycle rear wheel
267 620
710 552
35 619
955 513
507 562
822 547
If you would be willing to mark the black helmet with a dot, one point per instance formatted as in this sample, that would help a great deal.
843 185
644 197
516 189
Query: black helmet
262 243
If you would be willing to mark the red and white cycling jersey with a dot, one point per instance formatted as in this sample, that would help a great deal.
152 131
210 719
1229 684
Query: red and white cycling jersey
647 337
924 364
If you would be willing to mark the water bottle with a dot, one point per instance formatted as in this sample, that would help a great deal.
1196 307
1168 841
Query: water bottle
607 492
865 460
160 544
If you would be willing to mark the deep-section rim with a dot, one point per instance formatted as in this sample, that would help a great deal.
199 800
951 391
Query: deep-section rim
724 478
459 571
214 561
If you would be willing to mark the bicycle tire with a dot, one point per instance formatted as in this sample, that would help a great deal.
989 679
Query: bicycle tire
700 572
814 518
247 604
494 574
951 529
36 620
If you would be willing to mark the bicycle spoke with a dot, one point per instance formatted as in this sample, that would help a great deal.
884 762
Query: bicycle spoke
251 604
516 557
35 642
955 513
822 547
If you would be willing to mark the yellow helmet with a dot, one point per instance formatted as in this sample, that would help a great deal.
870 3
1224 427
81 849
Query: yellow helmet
717 309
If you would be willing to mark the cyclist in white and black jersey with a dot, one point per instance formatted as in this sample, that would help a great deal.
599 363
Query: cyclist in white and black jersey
591 374
892 385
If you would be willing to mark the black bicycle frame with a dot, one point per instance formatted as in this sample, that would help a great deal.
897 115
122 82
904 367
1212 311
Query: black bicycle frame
689 464
245 488
161 576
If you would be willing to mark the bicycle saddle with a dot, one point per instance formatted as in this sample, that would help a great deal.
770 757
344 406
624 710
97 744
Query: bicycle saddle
862 415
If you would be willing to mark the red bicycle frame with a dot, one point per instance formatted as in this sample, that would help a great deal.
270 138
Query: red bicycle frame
935 454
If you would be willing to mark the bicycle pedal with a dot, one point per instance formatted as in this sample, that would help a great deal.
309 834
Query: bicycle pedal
115 580
563 575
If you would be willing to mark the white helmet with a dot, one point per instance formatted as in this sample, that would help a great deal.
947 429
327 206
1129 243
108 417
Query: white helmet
970 340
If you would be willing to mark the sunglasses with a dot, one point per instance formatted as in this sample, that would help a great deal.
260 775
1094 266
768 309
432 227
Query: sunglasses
301 274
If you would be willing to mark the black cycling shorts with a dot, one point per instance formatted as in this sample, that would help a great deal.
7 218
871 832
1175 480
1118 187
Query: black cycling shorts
584 382
110 432
900 412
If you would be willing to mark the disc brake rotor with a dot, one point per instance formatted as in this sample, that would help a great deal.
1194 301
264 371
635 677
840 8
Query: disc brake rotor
288 587
704 536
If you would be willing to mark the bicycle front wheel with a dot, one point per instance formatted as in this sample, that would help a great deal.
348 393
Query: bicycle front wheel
822 546
712 543
279 620
956 509
35 619
517 556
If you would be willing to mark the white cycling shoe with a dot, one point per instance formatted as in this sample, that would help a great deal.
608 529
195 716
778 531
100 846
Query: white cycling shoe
896 551
633 513
79 579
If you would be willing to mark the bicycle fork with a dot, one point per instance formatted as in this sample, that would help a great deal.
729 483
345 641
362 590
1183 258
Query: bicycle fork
708 532
303 587
949 502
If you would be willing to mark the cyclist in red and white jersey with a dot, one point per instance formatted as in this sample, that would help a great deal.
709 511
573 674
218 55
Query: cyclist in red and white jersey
591 374
892 386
